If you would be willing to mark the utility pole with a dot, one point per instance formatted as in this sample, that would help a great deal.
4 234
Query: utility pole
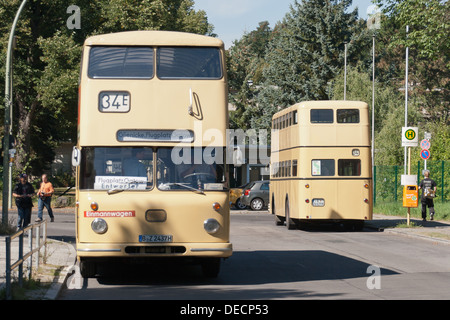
8 111
406 93
345 71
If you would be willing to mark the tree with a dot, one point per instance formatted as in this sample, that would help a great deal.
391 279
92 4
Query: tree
429 29
47 61
305 54
245 64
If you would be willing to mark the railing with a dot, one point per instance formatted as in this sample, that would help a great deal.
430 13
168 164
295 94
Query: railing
23 257
387 180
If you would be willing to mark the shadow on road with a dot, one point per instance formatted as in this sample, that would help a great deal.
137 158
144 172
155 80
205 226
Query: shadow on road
252 267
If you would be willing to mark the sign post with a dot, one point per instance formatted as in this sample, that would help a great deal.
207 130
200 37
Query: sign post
410 138
425 145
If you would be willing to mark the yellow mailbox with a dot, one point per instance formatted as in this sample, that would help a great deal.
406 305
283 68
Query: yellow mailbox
410 197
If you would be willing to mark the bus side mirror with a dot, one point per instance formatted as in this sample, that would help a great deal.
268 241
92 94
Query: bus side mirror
76 157
238 159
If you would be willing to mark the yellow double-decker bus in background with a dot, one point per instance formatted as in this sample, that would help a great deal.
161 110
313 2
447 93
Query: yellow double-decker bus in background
321 167
151 173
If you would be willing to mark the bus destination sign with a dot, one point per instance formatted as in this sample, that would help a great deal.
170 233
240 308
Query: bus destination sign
155 136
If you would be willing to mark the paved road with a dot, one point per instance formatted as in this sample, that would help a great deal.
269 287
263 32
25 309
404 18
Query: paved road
270 262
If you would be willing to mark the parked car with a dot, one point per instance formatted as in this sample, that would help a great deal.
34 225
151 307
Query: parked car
256 195
235 196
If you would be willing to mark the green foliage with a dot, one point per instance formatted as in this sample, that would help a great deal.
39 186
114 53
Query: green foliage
304 52
47 62
396 209
427 39
304 60
428 22
245 65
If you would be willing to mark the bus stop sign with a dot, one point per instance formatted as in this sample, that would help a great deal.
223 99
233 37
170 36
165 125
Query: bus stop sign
410 137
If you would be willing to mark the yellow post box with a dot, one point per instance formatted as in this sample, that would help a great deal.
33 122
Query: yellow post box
410 197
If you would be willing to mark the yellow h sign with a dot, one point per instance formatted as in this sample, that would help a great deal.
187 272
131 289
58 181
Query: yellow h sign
410 134
410 137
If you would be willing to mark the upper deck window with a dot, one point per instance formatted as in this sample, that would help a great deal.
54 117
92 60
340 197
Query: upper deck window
321 115
121 63
348 116
189 63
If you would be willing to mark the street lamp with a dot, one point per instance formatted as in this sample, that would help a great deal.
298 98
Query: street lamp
373 23
8 108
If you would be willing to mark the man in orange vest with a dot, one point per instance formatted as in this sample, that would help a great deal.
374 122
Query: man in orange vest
45 198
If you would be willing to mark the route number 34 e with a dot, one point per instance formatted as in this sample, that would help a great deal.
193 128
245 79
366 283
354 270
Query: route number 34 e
114 101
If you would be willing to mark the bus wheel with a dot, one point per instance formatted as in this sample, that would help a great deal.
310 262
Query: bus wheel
290 224
88 269
211 267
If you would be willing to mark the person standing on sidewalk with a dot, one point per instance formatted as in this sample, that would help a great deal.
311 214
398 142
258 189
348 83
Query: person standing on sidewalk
23 192
45 198
428 187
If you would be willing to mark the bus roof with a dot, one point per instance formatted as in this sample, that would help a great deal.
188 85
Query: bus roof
323 104
153 38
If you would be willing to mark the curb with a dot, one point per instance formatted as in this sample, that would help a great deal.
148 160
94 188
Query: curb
410 232
418 236
58 283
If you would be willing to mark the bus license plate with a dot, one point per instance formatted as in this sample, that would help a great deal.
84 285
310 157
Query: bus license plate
318 202
155 238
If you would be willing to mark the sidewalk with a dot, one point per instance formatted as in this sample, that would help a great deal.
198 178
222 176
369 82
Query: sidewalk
436 231
60 257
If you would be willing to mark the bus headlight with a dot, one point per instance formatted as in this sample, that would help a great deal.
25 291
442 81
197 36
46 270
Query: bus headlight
211 226
99 226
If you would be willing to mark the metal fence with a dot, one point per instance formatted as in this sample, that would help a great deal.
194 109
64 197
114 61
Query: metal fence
18 264
387 180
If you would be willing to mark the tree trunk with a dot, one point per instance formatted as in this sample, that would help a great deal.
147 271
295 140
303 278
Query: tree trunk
23 133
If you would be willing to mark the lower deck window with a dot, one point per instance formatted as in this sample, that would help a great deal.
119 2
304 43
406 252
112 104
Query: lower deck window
349 167
322 167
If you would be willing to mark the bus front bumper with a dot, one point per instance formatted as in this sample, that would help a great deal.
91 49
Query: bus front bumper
220 250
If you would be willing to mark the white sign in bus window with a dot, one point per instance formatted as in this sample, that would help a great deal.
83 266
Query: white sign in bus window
122 183
315 167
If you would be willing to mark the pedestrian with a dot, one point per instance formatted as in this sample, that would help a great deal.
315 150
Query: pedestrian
23 193
428 187
45 198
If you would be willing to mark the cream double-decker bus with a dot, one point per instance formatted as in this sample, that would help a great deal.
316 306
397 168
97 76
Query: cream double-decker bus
150 157
321 163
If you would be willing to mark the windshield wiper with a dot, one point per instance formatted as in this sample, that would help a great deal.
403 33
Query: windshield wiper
117 190
188 187
114 191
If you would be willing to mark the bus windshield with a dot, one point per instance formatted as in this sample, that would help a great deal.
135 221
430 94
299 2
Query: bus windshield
133 62
132 169
198 168
116 168
189 63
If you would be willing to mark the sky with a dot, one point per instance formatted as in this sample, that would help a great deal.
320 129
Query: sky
232 18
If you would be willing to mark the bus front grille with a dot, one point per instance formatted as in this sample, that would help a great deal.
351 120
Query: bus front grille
155 249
